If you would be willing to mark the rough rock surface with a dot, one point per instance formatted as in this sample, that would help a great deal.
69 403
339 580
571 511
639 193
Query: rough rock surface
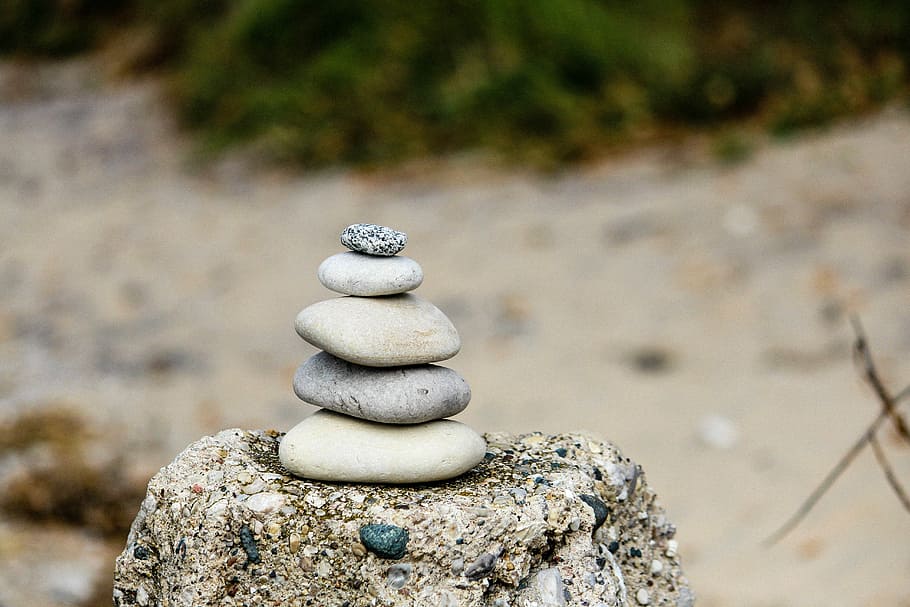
225 525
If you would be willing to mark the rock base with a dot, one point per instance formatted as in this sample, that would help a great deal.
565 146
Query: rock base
542 521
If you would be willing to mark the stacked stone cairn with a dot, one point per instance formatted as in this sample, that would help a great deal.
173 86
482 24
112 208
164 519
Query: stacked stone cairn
383 403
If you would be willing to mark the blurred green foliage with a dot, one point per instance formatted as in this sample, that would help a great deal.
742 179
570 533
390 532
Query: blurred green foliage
546 81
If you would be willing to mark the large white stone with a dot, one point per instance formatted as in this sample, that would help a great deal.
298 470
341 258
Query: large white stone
389 331
365 275
329 446
392 395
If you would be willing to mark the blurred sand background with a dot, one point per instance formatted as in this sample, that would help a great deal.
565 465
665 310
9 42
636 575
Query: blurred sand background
632 299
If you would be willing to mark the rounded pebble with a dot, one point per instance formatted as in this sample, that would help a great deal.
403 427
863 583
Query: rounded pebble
397 575
392 395
265 502
334 447
385 541
380 331
354 273
373 239
643 597
600 509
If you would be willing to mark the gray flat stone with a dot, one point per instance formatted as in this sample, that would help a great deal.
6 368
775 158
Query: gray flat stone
329 446
392 395
373 239
364 275
513 531
389 331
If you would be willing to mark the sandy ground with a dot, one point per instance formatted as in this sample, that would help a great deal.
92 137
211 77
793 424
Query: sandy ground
631 300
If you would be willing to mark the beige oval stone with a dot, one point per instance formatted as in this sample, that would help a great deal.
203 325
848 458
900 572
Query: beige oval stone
354 273
389 331
329 446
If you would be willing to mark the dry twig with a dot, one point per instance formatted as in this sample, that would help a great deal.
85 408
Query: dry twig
863 355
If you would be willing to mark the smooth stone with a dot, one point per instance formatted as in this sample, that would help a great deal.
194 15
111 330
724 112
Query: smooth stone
600 509
389 331
373 239
354 273
391 395
329 446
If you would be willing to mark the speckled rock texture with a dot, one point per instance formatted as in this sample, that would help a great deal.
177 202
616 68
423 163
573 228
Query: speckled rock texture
225 525
373 239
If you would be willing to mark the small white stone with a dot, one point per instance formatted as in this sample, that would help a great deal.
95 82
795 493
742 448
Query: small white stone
257 486
387 331
550 587
672 548
333 447
643 597
656 566
315 500
364 275
265 502
718 432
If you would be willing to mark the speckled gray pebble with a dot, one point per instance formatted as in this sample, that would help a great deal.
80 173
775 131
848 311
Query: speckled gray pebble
373 239
309 549
385 541
387 331
365 275
391 395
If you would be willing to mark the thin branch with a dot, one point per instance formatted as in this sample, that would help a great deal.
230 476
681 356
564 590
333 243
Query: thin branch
889 411
889 473
862 351
826 483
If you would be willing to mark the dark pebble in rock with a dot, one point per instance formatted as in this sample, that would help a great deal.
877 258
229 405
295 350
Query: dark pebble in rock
141 553
600 509
613 547
373 239
481 567
385 541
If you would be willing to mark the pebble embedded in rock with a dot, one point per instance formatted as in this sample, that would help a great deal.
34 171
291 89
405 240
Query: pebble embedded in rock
380 331
481 567
550 587
373 239
385 541
599 508
392 395
363 275
335 447
398 574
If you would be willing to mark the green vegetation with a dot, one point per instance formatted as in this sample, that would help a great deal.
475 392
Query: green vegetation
545 81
